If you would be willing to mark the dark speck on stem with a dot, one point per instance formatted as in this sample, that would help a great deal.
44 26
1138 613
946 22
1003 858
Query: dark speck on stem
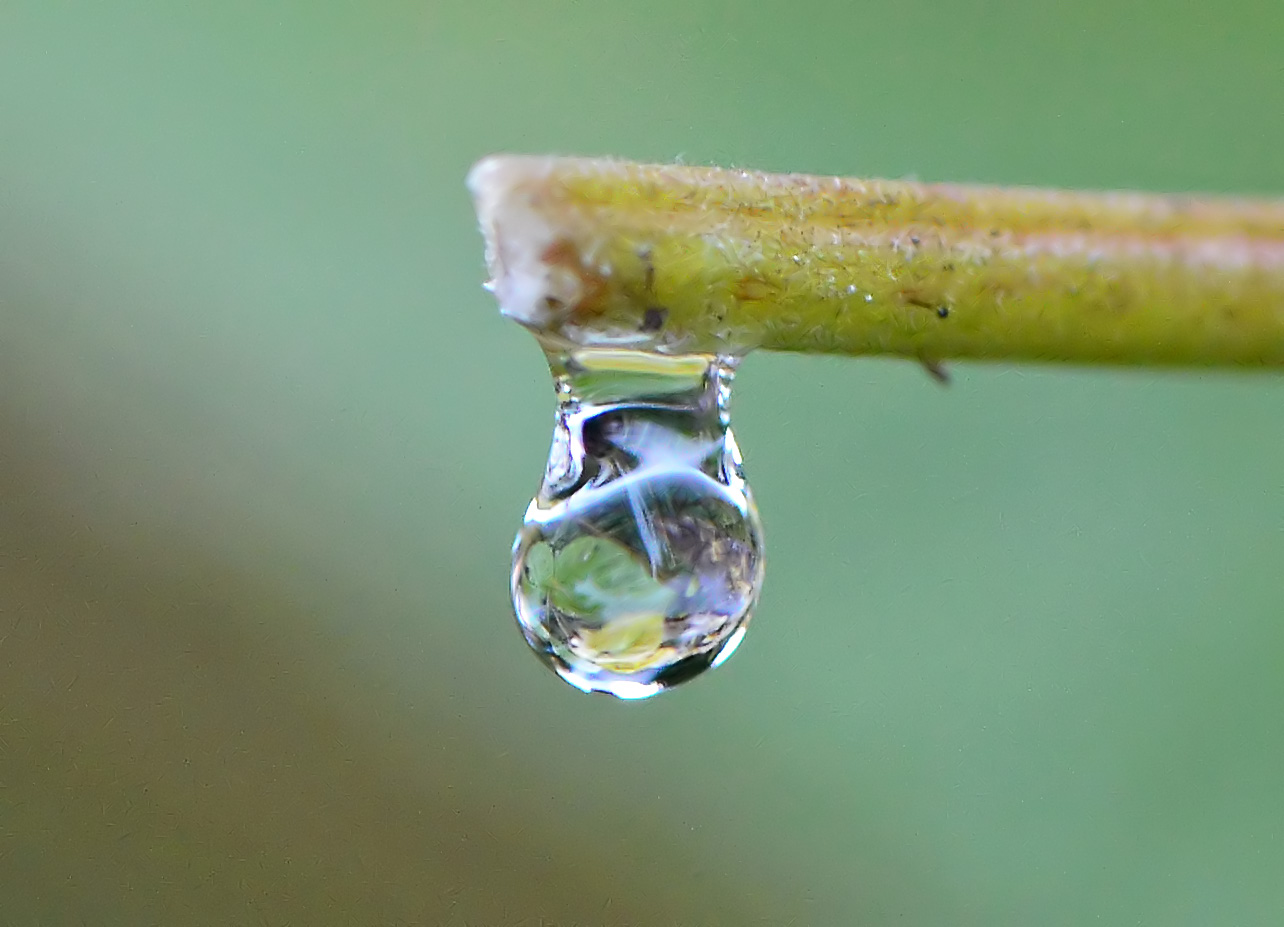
653 318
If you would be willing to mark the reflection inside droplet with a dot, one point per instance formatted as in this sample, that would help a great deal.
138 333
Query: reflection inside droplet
640 559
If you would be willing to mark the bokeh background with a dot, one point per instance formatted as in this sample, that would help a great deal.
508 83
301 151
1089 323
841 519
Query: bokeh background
264 443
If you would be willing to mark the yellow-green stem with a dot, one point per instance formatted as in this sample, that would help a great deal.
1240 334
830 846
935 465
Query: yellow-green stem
688 259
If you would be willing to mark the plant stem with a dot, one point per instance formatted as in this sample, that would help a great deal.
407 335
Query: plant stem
689 259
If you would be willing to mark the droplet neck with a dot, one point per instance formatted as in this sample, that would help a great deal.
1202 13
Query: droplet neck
603 375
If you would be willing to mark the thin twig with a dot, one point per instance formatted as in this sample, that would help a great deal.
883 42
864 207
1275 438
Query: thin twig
688 259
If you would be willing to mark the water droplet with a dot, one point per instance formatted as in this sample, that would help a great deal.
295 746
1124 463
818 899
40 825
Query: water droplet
640 560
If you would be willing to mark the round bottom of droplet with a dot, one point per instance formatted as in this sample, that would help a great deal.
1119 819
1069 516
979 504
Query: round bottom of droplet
632 689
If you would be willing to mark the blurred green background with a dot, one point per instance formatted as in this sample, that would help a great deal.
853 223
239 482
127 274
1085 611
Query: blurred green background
264 443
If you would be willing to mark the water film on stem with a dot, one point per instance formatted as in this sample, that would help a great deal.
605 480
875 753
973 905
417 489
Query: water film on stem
640 559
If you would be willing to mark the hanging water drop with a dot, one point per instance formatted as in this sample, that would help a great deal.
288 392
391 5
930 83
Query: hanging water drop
640 559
